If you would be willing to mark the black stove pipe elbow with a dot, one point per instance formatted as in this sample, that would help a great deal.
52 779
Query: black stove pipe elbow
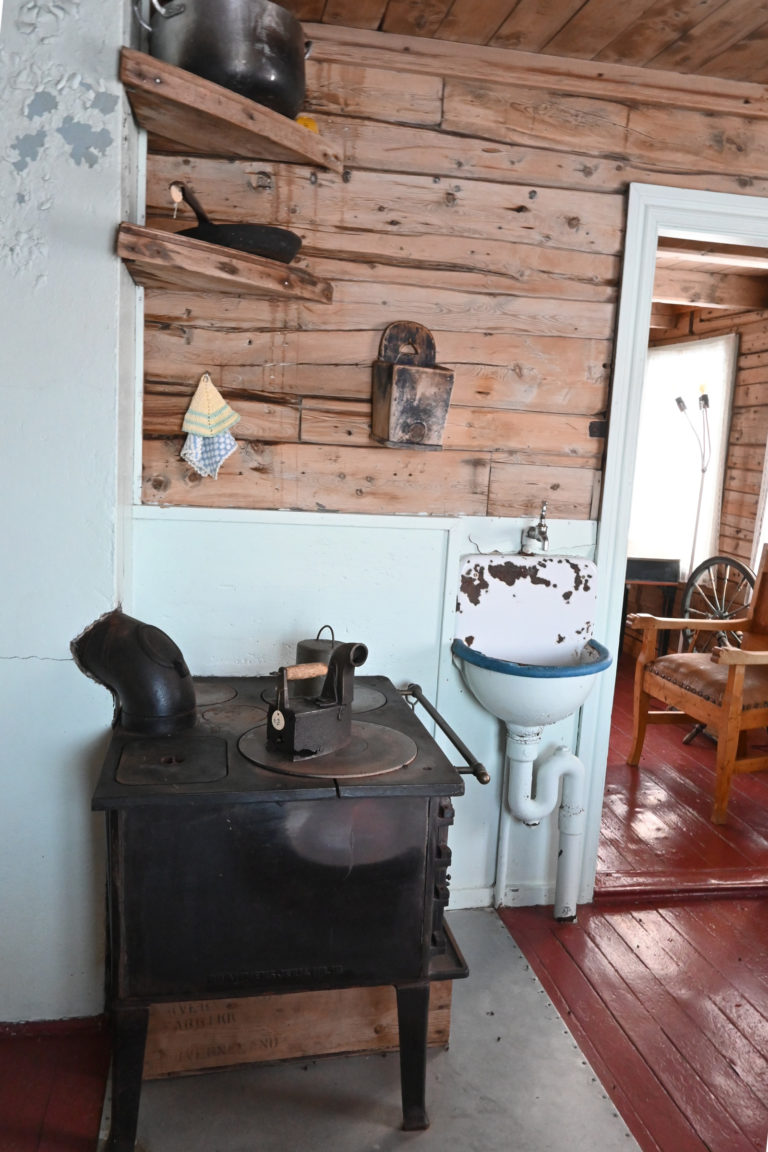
144 670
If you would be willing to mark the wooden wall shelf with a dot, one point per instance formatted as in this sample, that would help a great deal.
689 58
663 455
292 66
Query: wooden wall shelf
158 259
184 113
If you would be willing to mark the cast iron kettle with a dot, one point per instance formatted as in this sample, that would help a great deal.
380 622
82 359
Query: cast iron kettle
253 47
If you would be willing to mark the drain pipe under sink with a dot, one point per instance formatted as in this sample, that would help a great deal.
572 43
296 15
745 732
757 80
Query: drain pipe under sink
532 790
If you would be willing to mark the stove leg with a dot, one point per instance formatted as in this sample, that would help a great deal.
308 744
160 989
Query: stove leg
413 1019
130 1034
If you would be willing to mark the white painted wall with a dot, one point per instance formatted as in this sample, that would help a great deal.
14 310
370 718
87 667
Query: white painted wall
63 339
237 590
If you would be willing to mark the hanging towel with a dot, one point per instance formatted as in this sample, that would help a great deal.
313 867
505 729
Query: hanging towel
206 454
207 422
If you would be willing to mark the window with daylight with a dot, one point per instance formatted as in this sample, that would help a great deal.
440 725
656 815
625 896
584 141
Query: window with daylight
681 449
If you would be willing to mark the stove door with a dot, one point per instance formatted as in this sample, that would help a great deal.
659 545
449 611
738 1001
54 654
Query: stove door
237 898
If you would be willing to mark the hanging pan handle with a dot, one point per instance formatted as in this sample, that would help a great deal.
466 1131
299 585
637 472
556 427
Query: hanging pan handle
180 192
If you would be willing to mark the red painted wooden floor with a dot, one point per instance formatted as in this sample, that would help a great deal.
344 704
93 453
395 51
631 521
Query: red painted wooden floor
668 998
657 836
670 1007
52 1081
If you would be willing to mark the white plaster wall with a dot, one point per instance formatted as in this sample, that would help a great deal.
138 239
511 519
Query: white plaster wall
62 144
237 590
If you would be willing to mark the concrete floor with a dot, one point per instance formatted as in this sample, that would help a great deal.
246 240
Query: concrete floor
512 1081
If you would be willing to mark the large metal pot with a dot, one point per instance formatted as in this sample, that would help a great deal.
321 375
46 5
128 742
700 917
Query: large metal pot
253 47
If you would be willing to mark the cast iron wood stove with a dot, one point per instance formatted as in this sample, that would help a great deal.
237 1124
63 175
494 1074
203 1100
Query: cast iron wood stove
235 870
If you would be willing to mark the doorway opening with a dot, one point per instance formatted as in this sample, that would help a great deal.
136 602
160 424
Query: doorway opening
657 217
696 470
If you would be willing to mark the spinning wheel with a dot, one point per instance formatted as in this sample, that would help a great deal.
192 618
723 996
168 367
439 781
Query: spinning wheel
720 588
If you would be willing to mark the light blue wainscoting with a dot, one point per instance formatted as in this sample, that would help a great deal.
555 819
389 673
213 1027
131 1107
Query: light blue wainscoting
237 589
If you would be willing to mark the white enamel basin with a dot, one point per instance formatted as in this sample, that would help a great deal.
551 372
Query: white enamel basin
531 695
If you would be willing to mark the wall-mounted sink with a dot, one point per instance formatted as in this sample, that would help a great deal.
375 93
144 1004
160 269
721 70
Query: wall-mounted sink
531 695
525 650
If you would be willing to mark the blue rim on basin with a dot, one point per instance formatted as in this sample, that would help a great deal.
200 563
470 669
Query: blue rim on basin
599 659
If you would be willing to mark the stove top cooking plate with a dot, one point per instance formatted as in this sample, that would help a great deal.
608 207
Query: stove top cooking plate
190 758
224 758
373 750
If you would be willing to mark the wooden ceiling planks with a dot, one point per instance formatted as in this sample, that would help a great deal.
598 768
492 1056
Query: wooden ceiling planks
532 23
733 21
310 10
473 21
660 25
719 38
593 27
414 17
355 13
745 58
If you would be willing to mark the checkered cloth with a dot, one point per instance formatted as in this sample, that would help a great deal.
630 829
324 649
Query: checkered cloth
206 454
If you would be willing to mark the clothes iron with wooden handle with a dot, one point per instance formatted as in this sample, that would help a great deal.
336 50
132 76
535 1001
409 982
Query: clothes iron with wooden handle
299 728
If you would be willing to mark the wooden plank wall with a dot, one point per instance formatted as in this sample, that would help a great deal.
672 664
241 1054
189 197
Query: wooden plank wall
749 420
482 199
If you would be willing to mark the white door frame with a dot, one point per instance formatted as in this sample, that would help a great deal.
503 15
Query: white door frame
652 212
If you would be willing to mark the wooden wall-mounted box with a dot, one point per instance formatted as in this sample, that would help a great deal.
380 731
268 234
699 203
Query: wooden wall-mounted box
411 393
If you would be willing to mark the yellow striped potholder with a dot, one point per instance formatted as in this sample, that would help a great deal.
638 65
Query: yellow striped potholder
208 414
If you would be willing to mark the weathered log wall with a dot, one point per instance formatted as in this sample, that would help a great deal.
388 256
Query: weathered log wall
482 200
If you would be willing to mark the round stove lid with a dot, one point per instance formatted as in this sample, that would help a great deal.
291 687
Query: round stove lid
208 694
234 717
373 750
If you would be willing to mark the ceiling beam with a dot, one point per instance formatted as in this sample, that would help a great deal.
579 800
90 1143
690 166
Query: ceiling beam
696 252
709 289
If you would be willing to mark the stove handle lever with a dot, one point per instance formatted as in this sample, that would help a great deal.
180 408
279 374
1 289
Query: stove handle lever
474 766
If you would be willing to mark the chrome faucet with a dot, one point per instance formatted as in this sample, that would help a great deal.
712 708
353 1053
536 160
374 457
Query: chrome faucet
538 532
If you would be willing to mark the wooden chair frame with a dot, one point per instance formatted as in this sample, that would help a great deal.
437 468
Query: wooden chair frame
725 716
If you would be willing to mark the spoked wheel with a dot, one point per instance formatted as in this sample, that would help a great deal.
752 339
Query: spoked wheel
718 589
